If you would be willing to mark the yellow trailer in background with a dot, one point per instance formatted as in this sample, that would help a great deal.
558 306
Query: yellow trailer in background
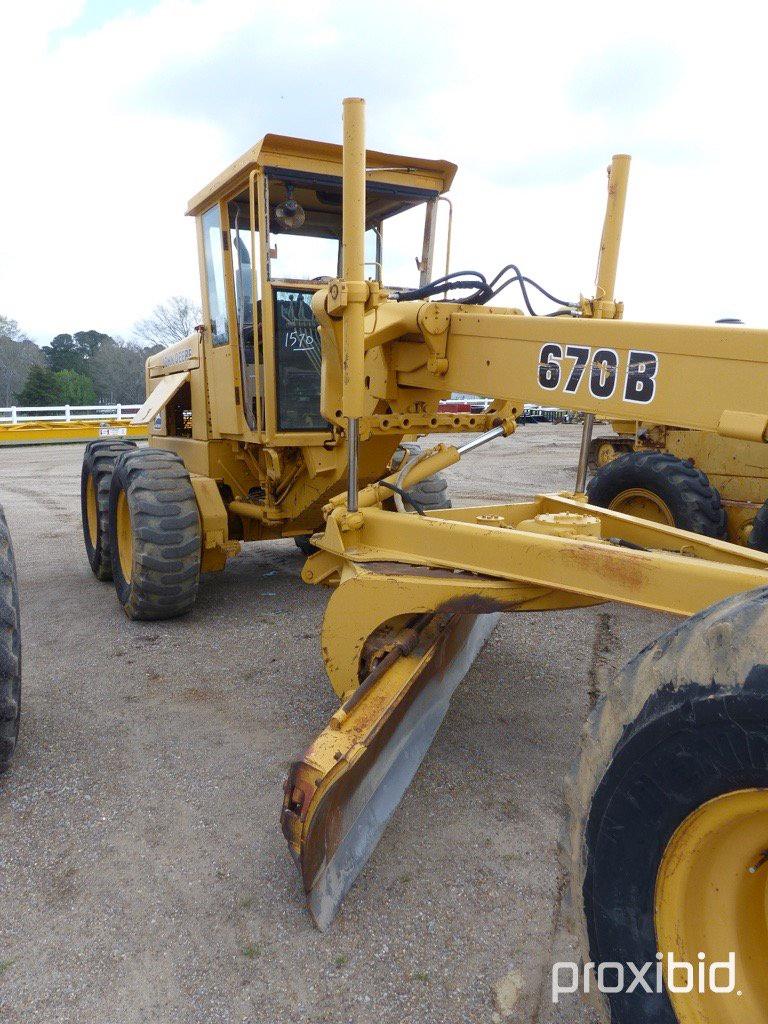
50 431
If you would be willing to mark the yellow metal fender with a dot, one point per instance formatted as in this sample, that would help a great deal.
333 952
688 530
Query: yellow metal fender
213 521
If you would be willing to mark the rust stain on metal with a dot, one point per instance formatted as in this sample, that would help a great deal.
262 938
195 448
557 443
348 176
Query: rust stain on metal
626 567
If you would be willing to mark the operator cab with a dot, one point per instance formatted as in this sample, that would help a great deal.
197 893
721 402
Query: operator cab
277 238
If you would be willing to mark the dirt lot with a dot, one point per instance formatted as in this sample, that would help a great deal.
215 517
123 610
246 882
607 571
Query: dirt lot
143 875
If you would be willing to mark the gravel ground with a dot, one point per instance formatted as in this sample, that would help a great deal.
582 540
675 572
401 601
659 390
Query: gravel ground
143 875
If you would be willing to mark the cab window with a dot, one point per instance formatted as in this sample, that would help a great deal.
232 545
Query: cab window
303 258
214 275
304 231
246 309
297 352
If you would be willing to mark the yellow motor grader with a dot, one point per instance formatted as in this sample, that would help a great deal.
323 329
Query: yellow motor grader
282 415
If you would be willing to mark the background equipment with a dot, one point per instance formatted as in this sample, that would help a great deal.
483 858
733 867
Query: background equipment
695 480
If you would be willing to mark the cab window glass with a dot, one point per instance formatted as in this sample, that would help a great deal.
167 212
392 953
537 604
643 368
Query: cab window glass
242 272
404 237
214 276
297 348
241 246
304 258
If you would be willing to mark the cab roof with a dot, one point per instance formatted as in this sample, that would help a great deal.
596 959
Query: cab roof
322 158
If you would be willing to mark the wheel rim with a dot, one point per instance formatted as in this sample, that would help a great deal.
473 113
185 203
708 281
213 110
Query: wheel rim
643 504
606 453
712 898
91 510
124 537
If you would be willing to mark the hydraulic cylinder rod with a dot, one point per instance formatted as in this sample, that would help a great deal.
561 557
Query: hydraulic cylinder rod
481 439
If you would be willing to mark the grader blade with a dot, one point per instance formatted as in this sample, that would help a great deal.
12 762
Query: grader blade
340 796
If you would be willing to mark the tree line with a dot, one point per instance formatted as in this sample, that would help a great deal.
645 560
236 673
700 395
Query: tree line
88 367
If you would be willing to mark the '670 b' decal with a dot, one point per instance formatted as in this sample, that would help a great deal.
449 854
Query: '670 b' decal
566 370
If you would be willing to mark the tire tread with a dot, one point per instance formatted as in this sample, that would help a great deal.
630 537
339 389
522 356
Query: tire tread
10 649
695 504
166 534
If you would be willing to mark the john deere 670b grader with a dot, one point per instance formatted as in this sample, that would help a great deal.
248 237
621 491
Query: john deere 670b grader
280 417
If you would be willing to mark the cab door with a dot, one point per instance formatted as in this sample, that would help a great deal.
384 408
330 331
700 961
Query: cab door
222 363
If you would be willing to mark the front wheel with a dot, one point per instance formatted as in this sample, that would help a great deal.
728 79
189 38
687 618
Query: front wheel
154 535
668 837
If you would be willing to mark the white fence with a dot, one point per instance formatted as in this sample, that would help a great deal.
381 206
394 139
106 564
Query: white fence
65 413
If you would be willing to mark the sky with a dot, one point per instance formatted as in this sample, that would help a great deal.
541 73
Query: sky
115 112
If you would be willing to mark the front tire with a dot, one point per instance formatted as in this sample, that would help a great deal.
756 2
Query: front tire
662 488
669 815
154 534
10 649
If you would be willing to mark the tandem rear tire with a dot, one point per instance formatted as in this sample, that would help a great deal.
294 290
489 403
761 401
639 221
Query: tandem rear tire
662 488
668 818
305 545
10 649
154 534
99 462
431 493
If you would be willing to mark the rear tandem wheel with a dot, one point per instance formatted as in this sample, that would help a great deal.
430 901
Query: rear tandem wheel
431 493
99 461
155 534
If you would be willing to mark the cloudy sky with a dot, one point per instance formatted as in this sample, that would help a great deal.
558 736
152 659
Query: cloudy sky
114 112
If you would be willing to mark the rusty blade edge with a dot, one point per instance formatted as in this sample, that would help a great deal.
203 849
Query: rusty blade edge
376 783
